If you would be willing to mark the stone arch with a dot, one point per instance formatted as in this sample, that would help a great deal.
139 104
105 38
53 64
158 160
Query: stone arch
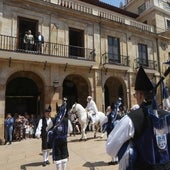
76 89
114 87
24 93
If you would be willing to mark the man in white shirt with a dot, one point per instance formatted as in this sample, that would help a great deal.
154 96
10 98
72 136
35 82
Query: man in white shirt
44 125
29 40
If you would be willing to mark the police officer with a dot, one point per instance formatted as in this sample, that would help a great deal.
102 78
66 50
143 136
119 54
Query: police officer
150 151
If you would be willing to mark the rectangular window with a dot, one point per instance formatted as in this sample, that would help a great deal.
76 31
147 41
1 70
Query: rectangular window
142 8
168 4
168 24
113 49
143 54
76 43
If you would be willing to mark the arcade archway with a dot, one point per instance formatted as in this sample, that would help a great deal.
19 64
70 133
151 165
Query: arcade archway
75 88
23 94
114 88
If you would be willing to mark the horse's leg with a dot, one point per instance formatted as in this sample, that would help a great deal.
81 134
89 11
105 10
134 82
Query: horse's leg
81 138
95 130
84 135
83 132
103 132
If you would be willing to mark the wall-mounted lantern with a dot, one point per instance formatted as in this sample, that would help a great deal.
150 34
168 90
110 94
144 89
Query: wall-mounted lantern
55 84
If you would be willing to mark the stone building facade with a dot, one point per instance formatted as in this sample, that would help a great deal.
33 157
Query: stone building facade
155 13
90 48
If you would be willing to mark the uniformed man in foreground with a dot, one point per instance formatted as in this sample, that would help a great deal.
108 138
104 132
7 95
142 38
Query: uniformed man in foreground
141 139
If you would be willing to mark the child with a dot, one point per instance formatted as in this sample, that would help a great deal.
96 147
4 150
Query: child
27 130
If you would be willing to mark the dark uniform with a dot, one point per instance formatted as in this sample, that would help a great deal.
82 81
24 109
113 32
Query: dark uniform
44 125
57 138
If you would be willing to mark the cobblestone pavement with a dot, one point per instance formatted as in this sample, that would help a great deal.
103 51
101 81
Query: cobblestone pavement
84 155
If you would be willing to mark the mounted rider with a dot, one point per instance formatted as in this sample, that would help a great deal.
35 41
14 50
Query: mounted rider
91 109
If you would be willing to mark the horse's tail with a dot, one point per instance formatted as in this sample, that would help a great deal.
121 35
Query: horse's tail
101 117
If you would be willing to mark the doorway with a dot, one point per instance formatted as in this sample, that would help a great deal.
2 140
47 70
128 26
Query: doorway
114 88
72 89
76 42
25 24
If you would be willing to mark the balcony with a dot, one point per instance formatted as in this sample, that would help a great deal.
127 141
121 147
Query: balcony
164 5
149 64
13 44
100 12
114 59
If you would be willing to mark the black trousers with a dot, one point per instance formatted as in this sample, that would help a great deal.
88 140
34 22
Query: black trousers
60 149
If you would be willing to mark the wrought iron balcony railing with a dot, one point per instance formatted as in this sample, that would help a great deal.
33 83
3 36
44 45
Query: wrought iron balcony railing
110 58
149 64
9 43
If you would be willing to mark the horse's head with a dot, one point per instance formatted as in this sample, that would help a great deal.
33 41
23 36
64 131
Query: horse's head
74 108
77 109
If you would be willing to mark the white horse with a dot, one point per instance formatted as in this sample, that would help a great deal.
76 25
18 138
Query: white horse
83 118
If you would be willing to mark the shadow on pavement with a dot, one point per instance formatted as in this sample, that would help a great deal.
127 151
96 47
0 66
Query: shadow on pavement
93 165
24 167
101 139
80 140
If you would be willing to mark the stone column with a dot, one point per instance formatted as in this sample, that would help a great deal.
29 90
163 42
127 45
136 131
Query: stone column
98 91
48 92
2 111
56 100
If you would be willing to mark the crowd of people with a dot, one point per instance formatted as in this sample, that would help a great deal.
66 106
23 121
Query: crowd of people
19 127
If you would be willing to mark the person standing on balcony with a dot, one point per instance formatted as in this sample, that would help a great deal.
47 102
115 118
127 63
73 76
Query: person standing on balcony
29 41
39 42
